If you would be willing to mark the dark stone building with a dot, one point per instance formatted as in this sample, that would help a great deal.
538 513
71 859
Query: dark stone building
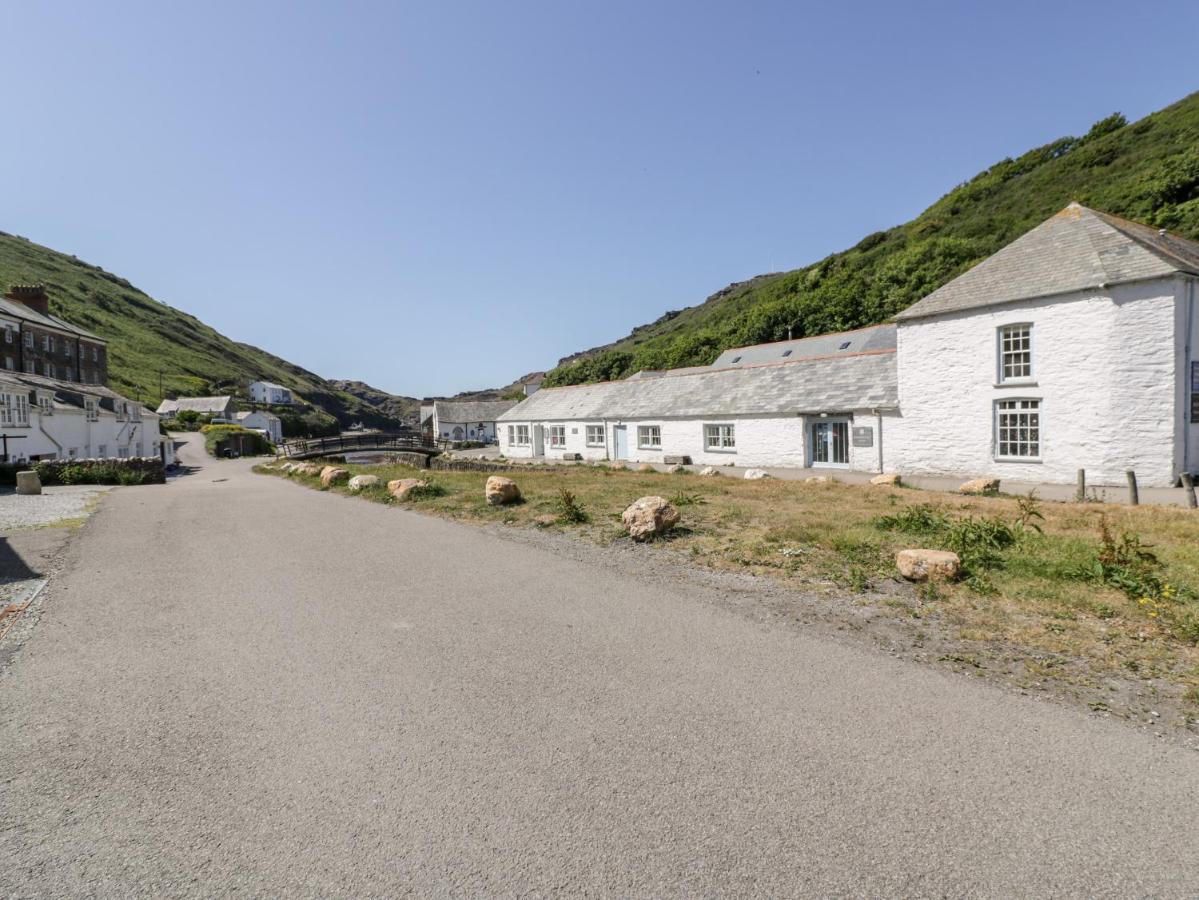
38 343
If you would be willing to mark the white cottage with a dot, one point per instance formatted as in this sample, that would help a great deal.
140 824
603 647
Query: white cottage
269 392
805 408
268 423
467 420
1070 348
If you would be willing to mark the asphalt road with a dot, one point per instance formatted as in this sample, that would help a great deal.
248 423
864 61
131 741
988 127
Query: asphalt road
239 686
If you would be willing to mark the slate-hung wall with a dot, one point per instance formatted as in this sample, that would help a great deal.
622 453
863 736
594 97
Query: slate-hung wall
55 354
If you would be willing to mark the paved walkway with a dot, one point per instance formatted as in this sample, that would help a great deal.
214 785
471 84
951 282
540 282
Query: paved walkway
244 686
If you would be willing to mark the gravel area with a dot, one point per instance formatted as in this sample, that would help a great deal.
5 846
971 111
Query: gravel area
53 505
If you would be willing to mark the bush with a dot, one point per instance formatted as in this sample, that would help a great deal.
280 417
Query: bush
570 510
136 470
247 441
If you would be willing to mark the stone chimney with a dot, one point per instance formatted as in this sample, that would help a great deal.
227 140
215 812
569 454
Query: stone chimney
31 295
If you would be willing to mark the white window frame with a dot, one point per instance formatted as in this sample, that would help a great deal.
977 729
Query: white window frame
522 436
8 334
45 404
649 437
596 436
92 409
1003 352
45 343
20 410
720 437
29 339
1034 439
102 451
47 369
557 436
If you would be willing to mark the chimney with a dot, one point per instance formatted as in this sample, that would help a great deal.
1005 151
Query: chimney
31 295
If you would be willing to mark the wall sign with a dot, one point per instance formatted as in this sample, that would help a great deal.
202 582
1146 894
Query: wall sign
863 436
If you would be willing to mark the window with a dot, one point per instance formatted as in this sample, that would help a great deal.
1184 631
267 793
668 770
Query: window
29 339
9 362
93 411
20 409
69 374
47 370
46 342
522 436
557 435
1018 429
595 435
8 334
95 354
29 366
45 404
66 349
649 437
102 451
1015 352
719 437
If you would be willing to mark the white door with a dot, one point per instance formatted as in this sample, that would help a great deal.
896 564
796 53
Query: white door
539 440
620 441
830 443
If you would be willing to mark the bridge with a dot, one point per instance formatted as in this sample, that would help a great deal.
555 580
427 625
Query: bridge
407 442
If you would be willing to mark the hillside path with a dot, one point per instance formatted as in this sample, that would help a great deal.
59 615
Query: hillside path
242 686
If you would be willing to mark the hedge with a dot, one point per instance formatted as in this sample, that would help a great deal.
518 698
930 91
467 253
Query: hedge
133 470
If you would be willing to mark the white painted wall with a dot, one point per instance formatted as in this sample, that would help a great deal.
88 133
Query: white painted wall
470 431
1105 368
266 422
761 441
260 392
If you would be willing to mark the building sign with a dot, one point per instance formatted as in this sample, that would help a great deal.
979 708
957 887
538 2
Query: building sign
863 436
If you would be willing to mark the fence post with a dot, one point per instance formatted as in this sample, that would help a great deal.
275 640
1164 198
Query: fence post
1134 498
1082 485
1188 484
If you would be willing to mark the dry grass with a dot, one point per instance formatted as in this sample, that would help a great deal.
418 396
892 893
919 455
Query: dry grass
1036 601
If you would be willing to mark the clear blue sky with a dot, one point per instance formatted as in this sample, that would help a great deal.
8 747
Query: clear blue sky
440 196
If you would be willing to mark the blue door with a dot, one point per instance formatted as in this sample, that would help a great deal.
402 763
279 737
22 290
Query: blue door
620 440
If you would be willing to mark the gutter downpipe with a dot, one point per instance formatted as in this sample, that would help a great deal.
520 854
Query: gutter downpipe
1186 376
49 437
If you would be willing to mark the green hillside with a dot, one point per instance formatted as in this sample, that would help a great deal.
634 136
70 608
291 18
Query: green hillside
156 350
1147 171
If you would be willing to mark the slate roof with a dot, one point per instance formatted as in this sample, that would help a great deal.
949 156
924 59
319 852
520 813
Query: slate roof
196 404
66 393
21 311
1074 250
876 337
816 384
272 386
465 411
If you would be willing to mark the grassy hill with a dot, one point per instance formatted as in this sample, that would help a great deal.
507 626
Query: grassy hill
1147 171
156 350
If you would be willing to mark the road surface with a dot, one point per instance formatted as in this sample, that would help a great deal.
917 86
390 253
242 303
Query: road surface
242 686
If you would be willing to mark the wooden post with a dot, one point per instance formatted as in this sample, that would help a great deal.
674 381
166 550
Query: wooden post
1082 485
1134 499
1188 484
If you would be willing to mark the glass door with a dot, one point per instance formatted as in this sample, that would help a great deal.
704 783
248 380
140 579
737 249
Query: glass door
830 442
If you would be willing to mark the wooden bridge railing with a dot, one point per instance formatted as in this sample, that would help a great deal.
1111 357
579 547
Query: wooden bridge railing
353 443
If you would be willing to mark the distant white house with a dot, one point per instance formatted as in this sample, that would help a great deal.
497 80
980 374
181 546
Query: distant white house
269 392
1074 347
467 420
217 407
266 422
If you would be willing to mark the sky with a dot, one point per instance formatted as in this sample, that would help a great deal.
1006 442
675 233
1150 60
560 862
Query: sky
443 196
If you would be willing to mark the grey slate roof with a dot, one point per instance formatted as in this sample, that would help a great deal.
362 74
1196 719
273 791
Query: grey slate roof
817 384
21 311
876 337
197 404
464 411
1076 249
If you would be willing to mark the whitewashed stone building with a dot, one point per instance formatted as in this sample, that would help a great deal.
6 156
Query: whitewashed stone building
269 392
466 420
1073 347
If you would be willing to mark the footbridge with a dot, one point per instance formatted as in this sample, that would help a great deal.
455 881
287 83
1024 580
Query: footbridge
407 442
